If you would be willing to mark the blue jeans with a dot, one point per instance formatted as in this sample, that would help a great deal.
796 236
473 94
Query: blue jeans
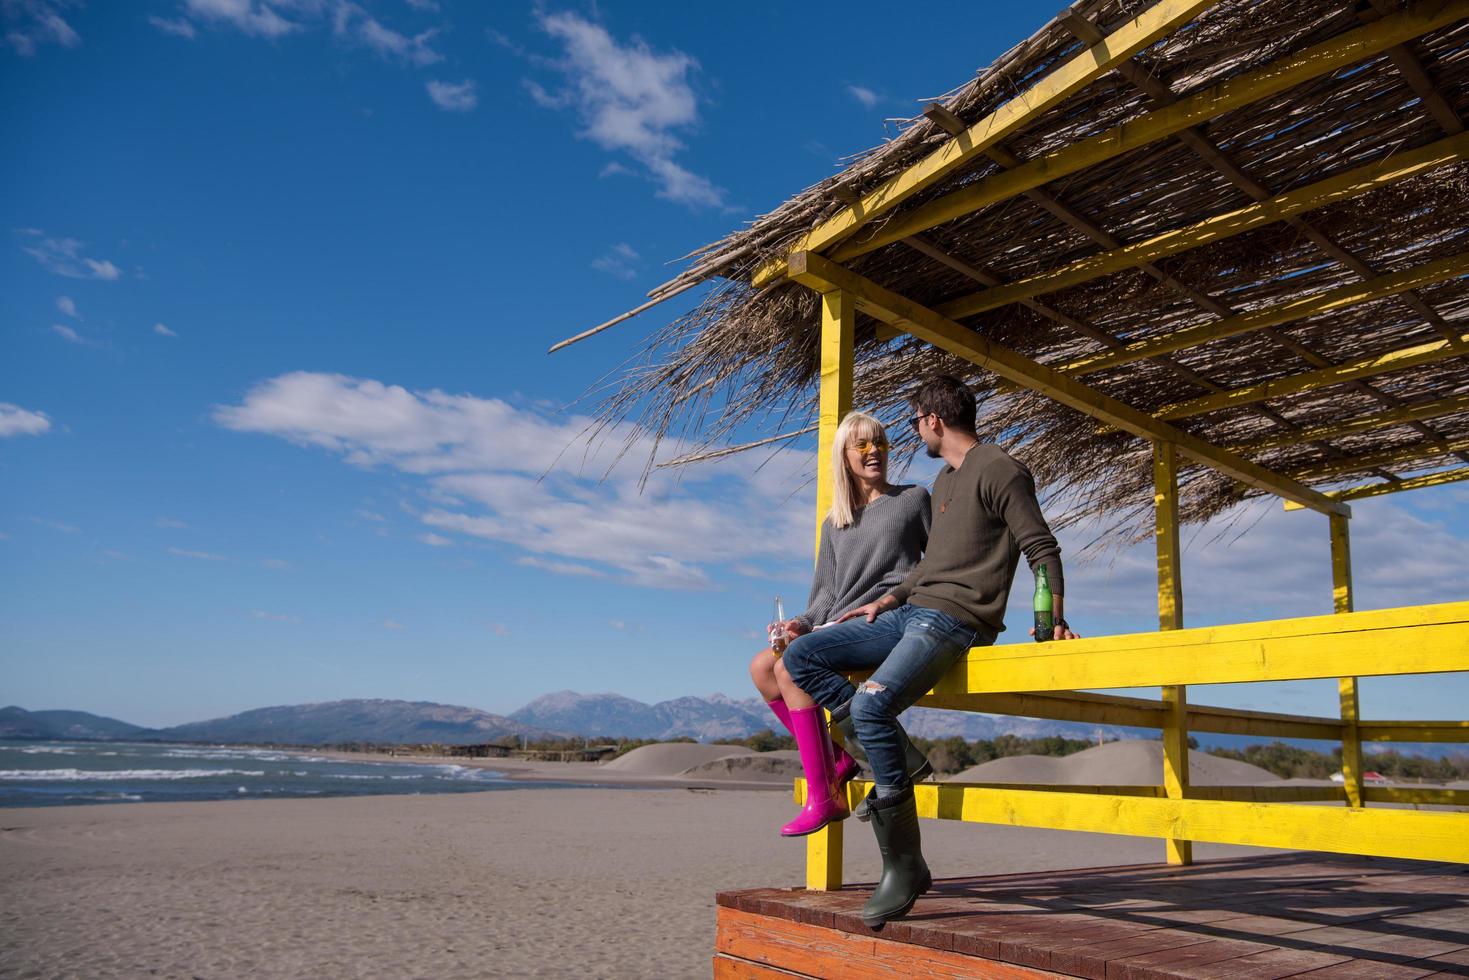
910 648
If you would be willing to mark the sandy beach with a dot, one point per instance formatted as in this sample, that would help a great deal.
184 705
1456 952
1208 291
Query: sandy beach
536 882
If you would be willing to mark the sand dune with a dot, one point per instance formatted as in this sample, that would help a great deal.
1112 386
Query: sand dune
1128 763
671 759
780 767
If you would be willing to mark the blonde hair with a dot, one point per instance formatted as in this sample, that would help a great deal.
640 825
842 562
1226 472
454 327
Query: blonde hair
844 502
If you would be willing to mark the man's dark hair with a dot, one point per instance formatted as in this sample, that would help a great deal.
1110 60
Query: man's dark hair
947 397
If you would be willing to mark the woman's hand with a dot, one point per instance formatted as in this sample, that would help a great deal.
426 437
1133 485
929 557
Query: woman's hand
795 628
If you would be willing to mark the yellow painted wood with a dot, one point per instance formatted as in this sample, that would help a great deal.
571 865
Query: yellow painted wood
838 323
1014 114
1365 423
1354 183
1379 489
824 275
1420 835
1331 300
1341 601
1170 617
1433 795
1242 794
1209 103
1388 457
1413 731
1408 640
1367 367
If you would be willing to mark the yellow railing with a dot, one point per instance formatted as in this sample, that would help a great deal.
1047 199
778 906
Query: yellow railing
1038 682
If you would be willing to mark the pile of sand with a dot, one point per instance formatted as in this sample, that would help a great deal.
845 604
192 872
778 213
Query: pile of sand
779 766
1133 762
671 759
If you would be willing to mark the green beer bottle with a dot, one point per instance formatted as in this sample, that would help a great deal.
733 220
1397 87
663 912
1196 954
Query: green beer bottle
1045 623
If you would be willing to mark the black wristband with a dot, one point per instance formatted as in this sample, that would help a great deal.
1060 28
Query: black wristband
1062 623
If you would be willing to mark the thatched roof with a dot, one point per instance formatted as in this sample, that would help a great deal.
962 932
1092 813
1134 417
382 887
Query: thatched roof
744 361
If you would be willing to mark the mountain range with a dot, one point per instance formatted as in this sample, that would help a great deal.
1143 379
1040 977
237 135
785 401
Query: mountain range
706 719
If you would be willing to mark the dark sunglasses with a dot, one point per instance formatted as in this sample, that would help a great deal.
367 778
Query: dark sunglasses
918 418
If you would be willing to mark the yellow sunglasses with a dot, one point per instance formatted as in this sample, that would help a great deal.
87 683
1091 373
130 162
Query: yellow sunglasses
865 446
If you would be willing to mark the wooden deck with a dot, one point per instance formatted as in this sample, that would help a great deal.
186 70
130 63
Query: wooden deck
1292 915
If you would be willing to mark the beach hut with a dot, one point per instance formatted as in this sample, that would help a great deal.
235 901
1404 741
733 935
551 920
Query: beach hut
1192 252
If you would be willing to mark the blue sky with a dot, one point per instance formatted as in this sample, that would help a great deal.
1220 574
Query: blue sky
277 423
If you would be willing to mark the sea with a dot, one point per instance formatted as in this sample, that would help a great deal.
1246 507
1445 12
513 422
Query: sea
72 773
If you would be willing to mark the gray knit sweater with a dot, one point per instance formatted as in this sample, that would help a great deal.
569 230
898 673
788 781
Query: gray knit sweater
866 560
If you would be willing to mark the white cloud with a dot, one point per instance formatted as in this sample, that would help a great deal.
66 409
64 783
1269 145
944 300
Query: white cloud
453 97
200 555
271 617
630 99
67 333
56 525
620 260
372 515
499 629
29 24
256 18
65 305
393 624
428 6
390 44
163 331
171 523
63 257
436 540
522 478
279 564
17 421
864 95
178 27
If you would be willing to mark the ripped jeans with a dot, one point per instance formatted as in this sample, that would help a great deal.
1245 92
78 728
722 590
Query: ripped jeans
908 649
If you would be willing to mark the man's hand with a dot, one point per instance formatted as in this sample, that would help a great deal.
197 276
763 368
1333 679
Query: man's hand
1060 633
872 610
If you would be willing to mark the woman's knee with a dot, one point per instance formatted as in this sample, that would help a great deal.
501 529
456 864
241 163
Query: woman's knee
762 667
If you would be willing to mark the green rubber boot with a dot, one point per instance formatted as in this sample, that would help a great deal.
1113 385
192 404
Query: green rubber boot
917 764
905 874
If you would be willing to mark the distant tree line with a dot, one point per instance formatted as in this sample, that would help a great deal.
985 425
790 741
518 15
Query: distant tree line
1290 761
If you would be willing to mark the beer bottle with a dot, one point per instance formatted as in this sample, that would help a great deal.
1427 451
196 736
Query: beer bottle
1045 623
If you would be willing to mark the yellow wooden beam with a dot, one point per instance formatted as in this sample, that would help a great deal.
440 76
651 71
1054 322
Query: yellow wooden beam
1378 489
1248 794
1414 731
1170 617
1111 709
824 275
1409 640
1417 794
1209 103
1418 835
1365 423
1388 457
1367 367
1014 114
838 328
1331 300
1351 712
1354 183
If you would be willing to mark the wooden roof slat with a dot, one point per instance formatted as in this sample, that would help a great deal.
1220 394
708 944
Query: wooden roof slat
1341 187
1438 408
1198 107
1342 297
1387 457
1439 479
1418 355
927 324
1052 89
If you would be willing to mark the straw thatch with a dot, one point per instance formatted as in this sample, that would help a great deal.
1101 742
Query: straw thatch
744 360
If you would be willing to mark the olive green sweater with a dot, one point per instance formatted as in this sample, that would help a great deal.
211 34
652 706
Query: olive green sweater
984 515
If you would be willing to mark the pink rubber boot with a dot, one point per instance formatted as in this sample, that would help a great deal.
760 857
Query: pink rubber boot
847 767
824 801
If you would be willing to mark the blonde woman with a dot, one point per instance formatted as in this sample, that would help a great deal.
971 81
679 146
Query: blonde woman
872 537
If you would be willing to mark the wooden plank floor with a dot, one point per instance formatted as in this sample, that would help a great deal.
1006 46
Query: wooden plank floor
1290 915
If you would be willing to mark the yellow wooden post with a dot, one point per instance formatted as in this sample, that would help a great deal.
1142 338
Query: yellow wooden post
1341 594
1170 617
838 317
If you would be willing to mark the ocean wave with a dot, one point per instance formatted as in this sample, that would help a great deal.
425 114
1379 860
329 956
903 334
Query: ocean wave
101 775
227 755
106 797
